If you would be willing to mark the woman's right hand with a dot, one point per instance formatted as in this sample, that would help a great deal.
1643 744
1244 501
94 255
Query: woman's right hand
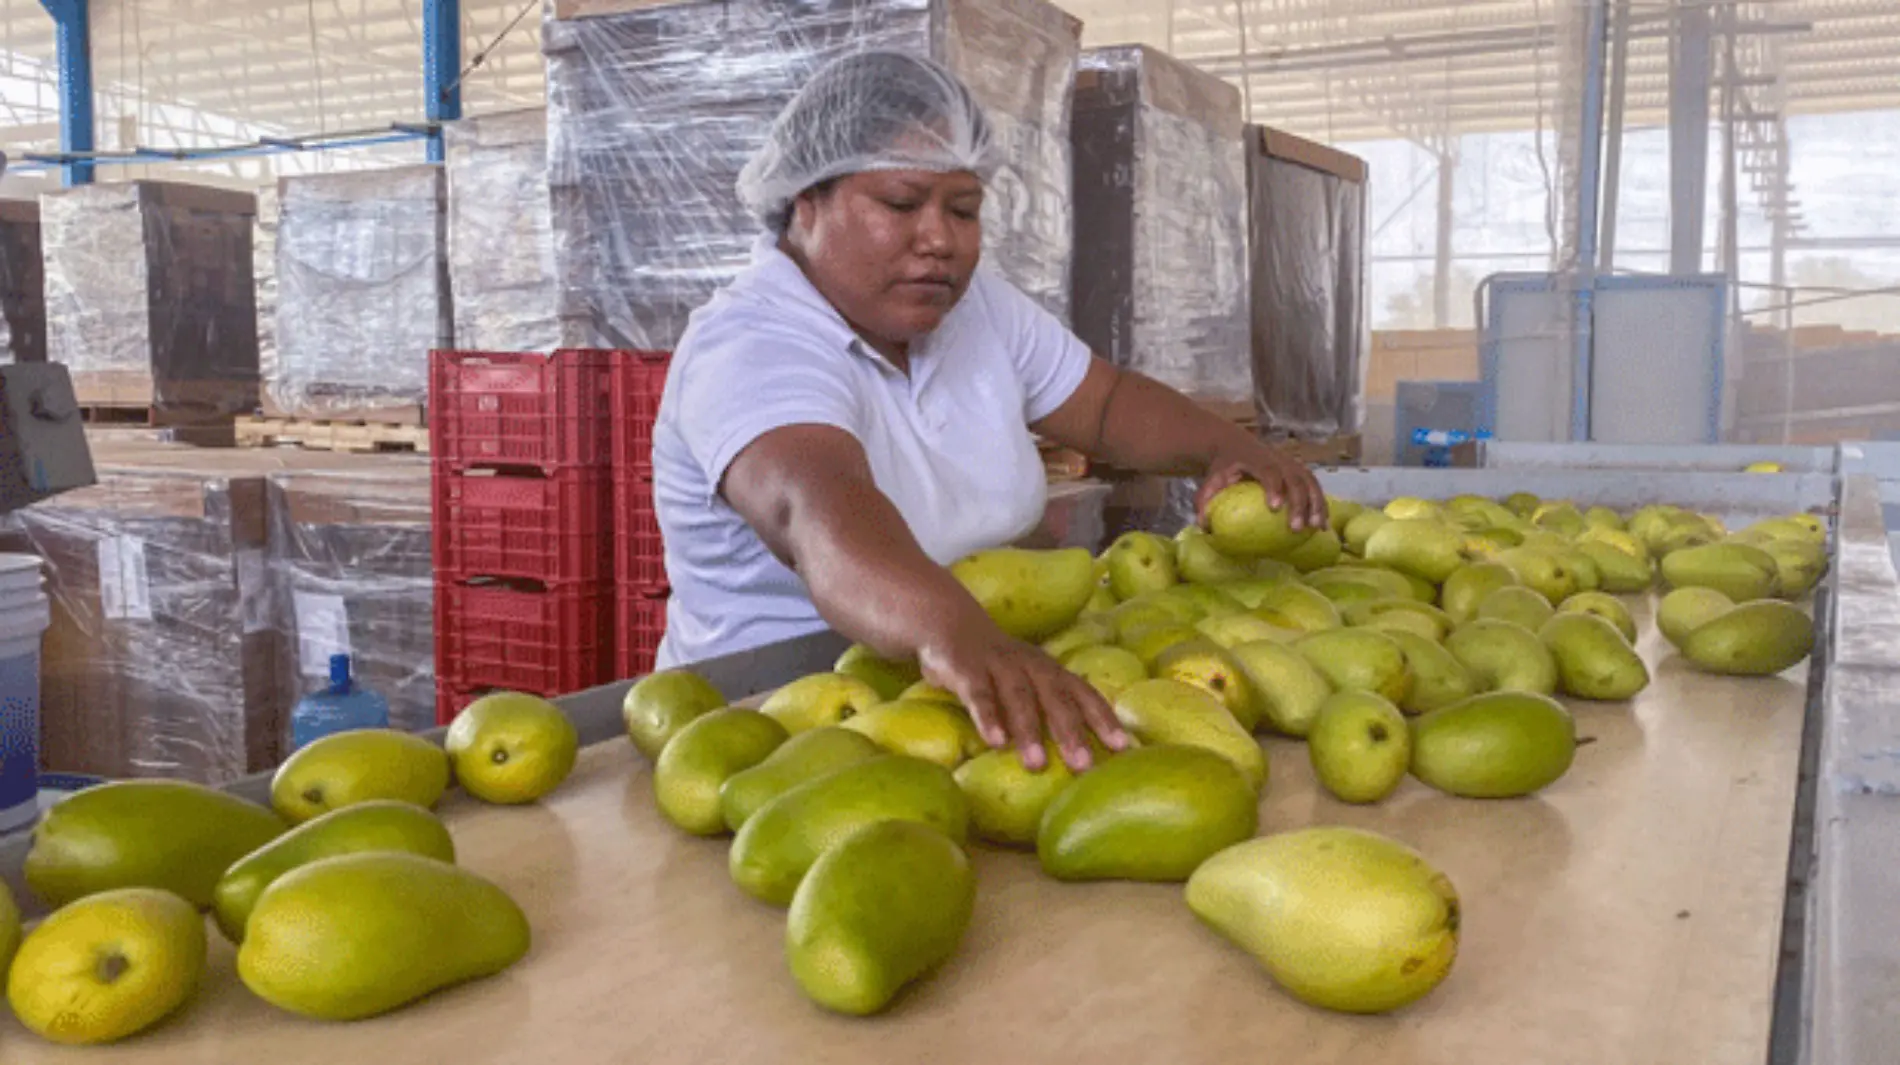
1012 689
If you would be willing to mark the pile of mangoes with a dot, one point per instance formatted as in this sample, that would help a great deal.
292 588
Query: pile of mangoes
344 898
1430 638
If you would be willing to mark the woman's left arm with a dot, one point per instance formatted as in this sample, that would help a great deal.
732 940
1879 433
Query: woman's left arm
1136 423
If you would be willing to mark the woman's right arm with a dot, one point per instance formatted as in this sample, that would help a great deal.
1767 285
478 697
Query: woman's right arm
808 491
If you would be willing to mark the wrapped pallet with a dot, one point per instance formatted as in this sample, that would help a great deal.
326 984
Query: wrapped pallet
264 274
501 233
654 107
349 559
149 298
1160 268
1310 327
22 283
159 660
362 295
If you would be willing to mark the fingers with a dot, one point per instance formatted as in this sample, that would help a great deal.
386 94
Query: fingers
979 697
1101 717
1064 718
1021 716
1217 481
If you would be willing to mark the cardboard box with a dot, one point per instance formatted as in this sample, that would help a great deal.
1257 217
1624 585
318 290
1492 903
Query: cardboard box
22 283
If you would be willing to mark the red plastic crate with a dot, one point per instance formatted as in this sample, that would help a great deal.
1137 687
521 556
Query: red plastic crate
452 701
546 642
548 529
639 550
641 624
547 412
639 377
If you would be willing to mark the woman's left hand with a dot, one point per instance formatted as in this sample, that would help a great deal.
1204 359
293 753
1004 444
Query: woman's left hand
1288 481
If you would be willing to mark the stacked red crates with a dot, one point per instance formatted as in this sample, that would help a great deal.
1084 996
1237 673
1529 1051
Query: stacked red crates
523 523
639 564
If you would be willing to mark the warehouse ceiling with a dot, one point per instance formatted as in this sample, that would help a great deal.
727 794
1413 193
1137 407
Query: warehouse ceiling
196 72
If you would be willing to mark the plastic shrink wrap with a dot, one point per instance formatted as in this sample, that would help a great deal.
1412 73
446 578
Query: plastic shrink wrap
264 273
501 233
362 294
1160 267
1310 327
349 560
22 283
653 108
149 297
158 662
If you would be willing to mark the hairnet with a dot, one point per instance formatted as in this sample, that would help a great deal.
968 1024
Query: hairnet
870 110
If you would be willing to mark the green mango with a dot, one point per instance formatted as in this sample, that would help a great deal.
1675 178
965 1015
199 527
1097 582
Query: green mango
356 766
1594 661
1437 623
1686 609
1088 631
1340 512
1007 800
1618 571
1208 666
107 967
819 700
778 844
878 911
1198 561
359 935
1421 547
1305 606
1758 639
1107 669
1517 605
660 704
1740 571
377 825
704 755
1606 606
1504 656
1151 643
1243 525
1153 814
1494 746
1359 660
1438 678
1171 712
1360 747
1031 595
167 834
803 757
1290 690
1468 586
887 678
1320 550
1140 563
922 728
1359 529
1341 918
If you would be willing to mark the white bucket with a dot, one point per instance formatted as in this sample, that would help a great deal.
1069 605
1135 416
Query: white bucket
24 616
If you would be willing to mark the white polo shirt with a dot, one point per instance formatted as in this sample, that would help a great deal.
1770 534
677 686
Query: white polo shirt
948 443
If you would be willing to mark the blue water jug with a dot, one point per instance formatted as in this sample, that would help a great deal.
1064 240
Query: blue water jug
344 705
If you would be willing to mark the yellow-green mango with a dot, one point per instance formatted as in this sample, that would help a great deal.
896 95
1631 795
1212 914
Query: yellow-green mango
1006 799
107 966
781 840
1305 606
1290 690
1242 524
1518 605
1594 661
1341 918
819 700
1140 563
1088 631
1423 548
705 754
1438 678
1494 746
1504 656
172 835
1686 609
1171 712
1740 571
1758 639
1107 669
1359 529
1359 660
358 765
1198 561
1468 586
877 912
1320 550
1031 595
887 678
1207 666
377 825
1152 814
1606 606
803 757
359 935
936 732
1618 571
660 704
1360 747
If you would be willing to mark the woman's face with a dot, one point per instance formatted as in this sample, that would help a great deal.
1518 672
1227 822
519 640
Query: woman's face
892 250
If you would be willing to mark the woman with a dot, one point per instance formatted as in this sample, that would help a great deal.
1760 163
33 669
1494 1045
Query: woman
854 411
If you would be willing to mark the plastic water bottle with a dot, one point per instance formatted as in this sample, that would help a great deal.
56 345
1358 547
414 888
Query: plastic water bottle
344 705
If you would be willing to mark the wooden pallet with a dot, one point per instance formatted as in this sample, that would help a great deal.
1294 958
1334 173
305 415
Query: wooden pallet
360 437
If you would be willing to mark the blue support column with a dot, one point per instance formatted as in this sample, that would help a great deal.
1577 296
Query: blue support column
441 66
74 38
